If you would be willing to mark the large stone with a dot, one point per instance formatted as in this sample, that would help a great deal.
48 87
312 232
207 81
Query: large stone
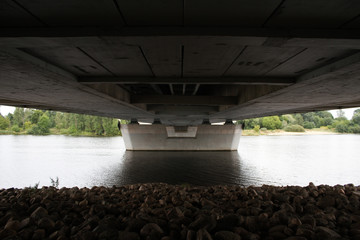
326 233
226 235
39 213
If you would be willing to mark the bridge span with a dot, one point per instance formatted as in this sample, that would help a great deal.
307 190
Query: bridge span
180 63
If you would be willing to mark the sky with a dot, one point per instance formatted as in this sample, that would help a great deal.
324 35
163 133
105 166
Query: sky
5 110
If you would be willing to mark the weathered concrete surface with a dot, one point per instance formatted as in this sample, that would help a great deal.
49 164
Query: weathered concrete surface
155 137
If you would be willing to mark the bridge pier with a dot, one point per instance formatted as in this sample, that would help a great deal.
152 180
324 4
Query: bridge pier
158 137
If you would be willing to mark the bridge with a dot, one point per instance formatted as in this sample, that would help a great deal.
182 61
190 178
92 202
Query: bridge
180 64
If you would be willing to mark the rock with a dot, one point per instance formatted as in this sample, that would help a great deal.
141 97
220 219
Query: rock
46 223
123 235
7 233
327 201
202 234
308 220
304 232
226 235
202 221
24 223
151 229
326 233
39 213
228 222
12 225
83 203
296 238
39 234
294 222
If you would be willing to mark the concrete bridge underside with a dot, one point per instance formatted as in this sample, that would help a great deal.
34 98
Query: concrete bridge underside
180 61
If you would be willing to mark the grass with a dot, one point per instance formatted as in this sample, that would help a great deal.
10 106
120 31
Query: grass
251 132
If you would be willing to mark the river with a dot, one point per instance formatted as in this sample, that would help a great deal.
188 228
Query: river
89 161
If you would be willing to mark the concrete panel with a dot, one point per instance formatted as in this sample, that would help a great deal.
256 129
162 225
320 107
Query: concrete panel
257 61
75 12
314 14
308 60
120 60
72 59
154 12
203 60
154 137
167 62
12 15
248 13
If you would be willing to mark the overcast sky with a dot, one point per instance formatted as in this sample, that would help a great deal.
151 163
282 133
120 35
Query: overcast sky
4 110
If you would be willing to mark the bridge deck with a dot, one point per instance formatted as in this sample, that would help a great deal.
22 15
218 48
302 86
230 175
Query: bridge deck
180 61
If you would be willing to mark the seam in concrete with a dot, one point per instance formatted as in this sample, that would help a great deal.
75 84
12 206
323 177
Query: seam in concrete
96 61
232 63
289 58
120 12
273 13
349 21
182 61
146 60
30 13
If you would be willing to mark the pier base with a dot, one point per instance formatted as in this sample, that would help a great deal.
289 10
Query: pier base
159 137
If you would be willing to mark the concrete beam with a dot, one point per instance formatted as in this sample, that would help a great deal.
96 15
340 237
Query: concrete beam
178 31
182 110
281 81
184 100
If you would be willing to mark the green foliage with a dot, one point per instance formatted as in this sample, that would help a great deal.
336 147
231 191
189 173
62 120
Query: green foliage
18 117
354 129
343 126
309 125
15 128
4 123
299 119
35 116
271 123
42 127
356 116
257 128
294 128
28 125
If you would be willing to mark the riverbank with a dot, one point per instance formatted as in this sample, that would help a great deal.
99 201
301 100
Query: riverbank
280 132
55 131
162 211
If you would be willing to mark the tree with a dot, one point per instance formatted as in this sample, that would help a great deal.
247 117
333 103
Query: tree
42 127
35 116
19 117
340 113
271 123
299 119
309 125
342 126
4 123
110 126
356 116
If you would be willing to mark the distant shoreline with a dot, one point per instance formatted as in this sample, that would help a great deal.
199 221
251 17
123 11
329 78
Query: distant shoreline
280 132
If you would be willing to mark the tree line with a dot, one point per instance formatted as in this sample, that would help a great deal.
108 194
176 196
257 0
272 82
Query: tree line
301 121
39 122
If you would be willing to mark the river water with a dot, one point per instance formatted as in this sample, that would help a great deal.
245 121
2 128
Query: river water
88 161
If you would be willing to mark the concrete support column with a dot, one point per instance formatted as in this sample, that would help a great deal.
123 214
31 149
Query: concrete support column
159 137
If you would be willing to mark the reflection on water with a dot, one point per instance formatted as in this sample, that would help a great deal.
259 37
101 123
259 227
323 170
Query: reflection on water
86 162
198 168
